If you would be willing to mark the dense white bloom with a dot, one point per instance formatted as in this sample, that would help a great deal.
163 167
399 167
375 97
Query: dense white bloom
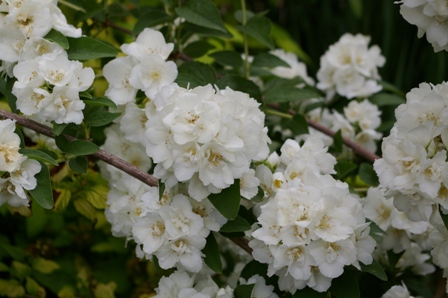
117 72
397 292
260 290
430 17
414 168
350 68
9 147
204 137
310 229
149 42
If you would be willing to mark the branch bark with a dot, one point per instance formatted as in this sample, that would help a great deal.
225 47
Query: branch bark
102 155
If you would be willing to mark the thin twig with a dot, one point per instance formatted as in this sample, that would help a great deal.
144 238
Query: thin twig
243 243
108 23
102 155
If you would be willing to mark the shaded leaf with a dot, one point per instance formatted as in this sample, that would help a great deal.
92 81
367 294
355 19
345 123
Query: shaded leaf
38 155
238 83
11 288
17 253
367 174
78 147
289 94
88 48
99 116
57 37
443 216
228 200
59 128
150 18
212 254
205 31
5 89
345 286
394 258
375 269
227 58
298 125
386 99
79 164
337 141
309 293
101 101
85 208
36 223
62 200
193 74
343 168
239 224
269 61
43 193
244 291
259 28
45 266
197 49
202 13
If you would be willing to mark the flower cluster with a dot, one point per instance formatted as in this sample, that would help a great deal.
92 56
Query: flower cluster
401 234
204 137
174 229
23 24
16 170
48 86
397 292
180 284
430 16
312 226
414 168
144 68
350 68
359 123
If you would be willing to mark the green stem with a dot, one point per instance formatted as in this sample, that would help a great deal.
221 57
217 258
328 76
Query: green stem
72 6
245 42
277 113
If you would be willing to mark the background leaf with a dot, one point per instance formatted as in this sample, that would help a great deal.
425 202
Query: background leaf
202 13
43 193
212 254
228 200
88 48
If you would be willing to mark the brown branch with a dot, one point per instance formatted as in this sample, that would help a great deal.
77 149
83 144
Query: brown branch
358 149
108 23
102 155
243 243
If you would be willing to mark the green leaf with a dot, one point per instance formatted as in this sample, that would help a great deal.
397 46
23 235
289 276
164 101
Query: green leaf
116 245
193 74
79 164
443 216
88 48
375 269
101 101
59 128
57 37
337 141
289 94
244 291
85 208
150 18
367 174
202 13
345 286
62 199
45 266
78 147
228 200
239 224
43 193
85 95
189 27
11 288
259 28
197 49
238 83
33 288
212 254
386 99
227 58
17 253
309 293
3 268
268 60
298 124
5 89
343 168
279 83
91 187
161 189
35 224
99 116
38 155
252 268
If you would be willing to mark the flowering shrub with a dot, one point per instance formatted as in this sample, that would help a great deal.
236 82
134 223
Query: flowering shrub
168 149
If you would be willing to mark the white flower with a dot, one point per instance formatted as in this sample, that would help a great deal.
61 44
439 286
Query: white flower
31 18
117 73
66 106
397 292
349 68
149 42
10 158
295 69
260 290
151 74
